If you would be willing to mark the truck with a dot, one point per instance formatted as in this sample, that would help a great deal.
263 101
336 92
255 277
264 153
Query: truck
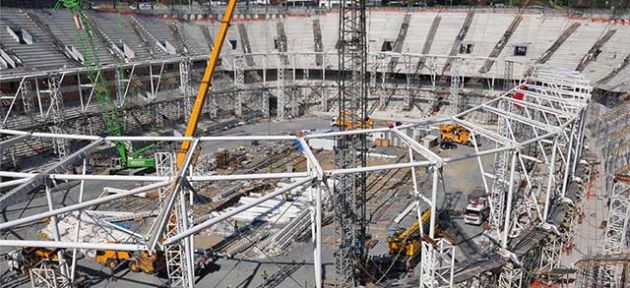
477 210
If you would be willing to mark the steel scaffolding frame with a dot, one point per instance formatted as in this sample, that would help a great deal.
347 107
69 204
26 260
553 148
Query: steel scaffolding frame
58 117
616 239
27 97
144 72
185 85
552 106
457 83
437 265
239 84
351 150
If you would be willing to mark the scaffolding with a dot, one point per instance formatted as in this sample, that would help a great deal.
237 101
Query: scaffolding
351 151
616 240
58 117
27 98
239 84
185 86
457 104
437 265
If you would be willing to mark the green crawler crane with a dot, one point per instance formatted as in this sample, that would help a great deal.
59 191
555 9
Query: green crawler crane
112 116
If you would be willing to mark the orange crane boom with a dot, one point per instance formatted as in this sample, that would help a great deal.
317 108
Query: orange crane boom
206 82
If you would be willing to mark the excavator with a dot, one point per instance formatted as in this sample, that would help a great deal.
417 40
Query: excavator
454 134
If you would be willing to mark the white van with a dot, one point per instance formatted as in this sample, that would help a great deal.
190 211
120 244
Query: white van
328 4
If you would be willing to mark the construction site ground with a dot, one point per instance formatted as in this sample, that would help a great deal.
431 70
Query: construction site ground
389 193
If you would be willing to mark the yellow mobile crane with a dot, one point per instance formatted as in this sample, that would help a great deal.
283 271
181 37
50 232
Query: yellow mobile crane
206 82
406 238
409 240
172 224
348 119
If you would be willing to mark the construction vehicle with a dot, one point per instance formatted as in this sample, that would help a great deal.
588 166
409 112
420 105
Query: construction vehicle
477 209
347 120
141 261
22 260
405 244
454 134
408 239
112 116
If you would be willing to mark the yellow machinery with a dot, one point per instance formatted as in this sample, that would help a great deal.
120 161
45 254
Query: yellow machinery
454 133
24 259
407 239
206 82
148 263
144 261
347 120
112 258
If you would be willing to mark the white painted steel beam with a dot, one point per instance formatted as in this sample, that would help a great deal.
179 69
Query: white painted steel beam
21 191
196 228
83 205
72 245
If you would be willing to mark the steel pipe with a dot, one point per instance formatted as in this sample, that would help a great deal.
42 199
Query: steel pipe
195 229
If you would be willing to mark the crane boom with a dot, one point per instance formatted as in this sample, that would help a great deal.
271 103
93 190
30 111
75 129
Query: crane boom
112 116
206 81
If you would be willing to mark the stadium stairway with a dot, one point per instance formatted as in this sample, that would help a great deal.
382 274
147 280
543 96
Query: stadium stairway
426 48
498 48
592 54
458 41
558 43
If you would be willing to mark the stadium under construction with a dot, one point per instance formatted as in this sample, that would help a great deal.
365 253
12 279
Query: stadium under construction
313 144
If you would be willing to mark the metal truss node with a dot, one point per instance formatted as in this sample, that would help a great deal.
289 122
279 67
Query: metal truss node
48 277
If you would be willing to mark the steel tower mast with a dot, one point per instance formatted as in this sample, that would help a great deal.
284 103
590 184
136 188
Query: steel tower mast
351 151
